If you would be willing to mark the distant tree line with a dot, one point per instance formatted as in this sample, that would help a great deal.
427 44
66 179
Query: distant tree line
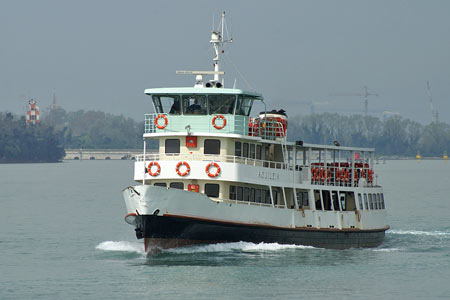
392 137
28 143
60 130
95 129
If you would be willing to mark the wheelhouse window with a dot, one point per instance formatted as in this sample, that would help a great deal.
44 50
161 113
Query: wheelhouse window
212 147
194 105
244 106
169 104
172 146
163 184
221 104
212 190
237 148
177 185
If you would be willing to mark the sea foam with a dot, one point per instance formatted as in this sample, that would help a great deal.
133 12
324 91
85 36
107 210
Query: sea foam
121 246
238 246
420 232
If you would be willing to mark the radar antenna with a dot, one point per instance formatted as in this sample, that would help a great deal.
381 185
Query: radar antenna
217 41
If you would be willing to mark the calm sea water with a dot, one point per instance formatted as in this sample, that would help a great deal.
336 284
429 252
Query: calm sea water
62 236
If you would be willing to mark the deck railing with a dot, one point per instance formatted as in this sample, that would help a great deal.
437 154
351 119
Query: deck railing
215 158
342 175
236 124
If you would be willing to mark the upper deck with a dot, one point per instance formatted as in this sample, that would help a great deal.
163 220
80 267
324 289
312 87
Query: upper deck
201 110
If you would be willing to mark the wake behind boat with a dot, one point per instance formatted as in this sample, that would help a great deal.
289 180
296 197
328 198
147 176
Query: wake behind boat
221 175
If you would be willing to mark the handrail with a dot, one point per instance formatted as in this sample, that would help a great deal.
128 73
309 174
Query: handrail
237 124
213 157
217 199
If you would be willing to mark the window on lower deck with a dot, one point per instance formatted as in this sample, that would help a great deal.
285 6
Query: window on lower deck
382 202
258 196
318 203
212 147
252 151
212 190
246 194
370 201
177 185
375 200
237 149
302 198
366 203
326 200
267 195
258 151
334 195
360 202
245 150
240 193
163 184
252 195
232 192
276 195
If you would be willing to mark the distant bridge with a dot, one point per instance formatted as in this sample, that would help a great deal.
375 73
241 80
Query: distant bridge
91 154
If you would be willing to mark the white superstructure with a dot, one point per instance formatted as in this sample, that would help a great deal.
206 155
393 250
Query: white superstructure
221 175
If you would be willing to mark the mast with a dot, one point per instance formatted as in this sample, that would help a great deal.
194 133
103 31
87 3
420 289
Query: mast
217 41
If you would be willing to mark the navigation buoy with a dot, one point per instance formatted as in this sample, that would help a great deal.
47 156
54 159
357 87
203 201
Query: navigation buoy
418 156
445 157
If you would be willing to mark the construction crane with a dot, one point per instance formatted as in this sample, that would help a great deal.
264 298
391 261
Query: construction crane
365 95
434 113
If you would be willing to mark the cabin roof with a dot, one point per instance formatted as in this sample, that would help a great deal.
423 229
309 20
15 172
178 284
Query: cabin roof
200 90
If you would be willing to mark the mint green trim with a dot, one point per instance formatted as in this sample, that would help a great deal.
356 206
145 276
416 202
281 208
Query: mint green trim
202 91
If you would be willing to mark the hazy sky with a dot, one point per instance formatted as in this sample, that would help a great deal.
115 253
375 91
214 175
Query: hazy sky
101 55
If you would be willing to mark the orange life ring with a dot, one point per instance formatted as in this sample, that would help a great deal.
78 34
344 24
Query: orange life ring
165 121
149 168
188 168
219 117
212 164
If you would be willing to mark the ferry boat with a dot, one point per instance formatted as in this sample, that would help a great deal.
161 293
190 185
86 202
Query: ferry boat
224 174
